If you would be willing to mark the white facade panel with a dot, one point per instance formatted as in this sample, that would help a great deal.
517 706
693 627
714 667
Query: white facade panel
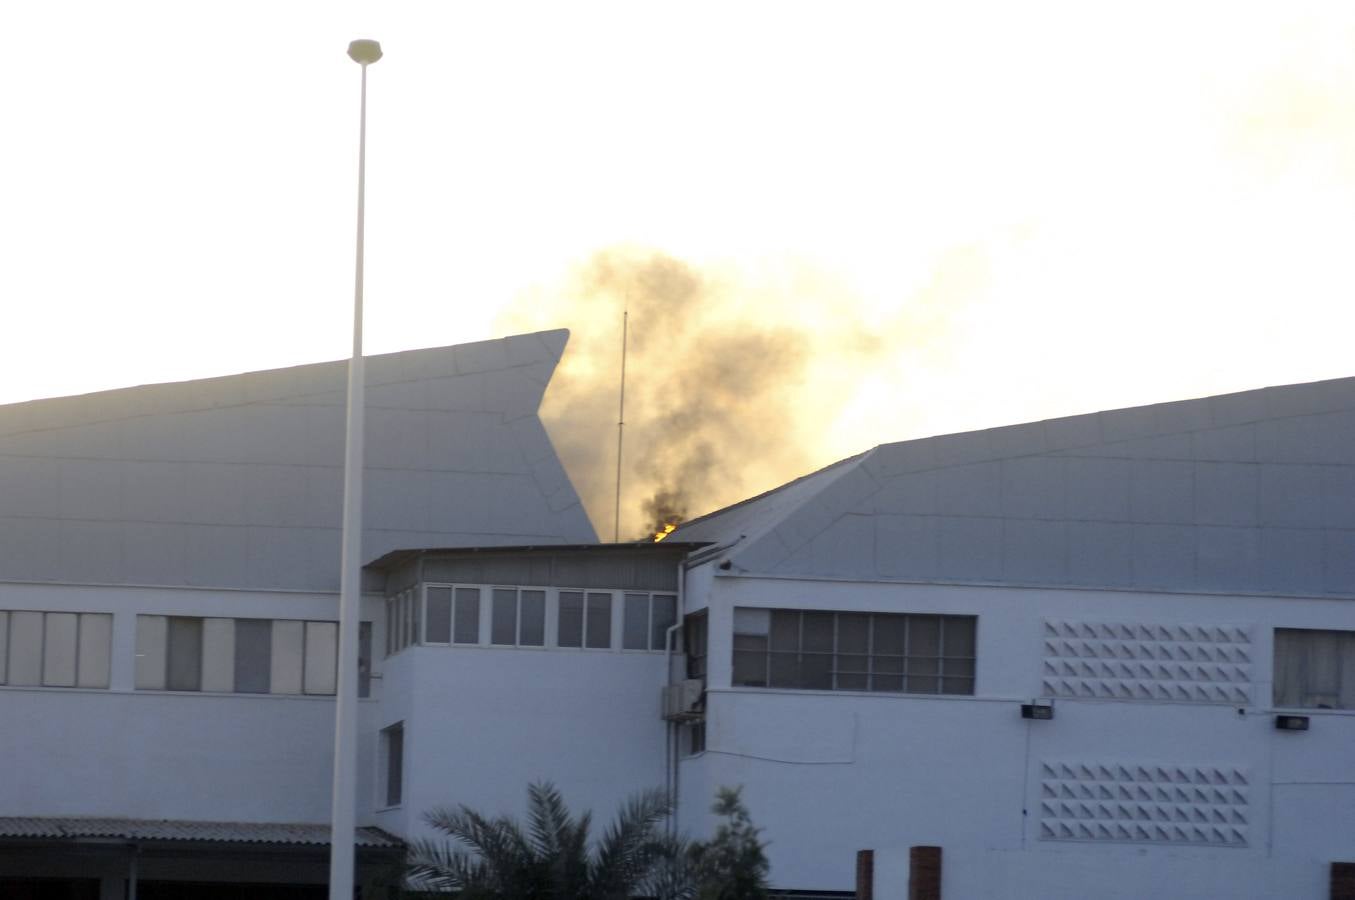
289 643
152 647
25 648
96 649
59 645
218 654
322 644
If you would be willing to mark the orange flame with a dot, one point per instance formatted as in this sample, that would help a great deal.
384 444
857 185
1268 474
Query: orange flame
668 528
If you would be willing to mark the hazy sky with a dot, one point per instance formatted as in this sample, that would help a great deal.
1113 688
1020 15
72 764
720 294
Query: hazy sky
1071 206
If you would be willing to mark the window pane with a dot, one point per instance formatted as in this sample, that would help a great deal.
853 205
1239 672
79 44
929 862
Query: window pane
886 683
785 670
635 631
4 647
888 636
887 665
415 617
58 654
439 615
750 642
851 672
364 659
924 635
750 667
503 625
571 619
390 625
957 685
922 676
599 621
663 618
853 633
467 615
184 670
218 654
253 655
533 632
818 631
398 642
848 681
959 635
785 630
963 667
816 671
96 647
395 763
322 657
289 639
1314 669
151 632
694 644
751 621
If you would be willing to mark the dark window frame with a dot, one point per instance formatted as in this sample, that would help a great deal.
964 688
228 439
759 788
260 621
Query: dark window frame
794 657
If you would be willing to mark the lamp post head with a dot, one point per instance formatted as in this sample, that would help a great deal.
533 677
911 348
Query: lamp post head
364 52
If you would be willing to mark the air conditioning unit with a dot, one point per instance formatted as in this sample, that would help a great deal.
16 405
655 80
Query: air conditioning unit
682 700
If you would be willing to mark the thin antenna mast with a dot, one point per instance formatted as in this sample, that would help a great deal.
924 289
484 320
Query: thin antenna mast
620 427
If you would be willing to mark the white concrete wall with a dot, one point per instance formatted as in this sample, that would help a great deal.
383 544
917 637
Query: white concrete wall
829 773
481 723
178 755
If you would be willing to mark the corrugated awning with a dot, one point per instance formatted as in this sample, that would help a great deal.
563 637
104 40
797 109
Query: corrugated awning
75 828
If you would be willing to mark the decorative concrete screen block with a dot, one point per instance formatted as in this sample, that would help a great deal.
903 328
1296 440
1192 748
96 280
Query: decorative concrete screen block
1144 661
1143 803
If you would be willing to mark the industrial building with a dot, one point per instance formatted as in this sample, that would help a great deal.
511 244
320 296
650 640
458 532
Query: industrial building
1110 655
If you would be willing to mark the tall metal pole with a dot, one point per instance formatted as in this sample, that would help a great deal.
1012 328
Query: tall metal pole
620 429
344 800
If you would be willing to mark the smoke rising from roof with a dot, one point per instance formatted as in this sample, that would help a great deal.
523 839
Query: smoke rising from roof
732 383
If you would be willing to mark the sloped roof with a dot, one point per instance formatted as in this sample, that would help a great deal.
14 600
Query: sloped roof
181 830
237 481
1252 492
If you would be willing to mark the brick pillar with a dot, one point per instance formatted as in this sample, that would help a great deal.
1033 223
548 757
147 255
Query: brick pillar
865 875
924 873
1343 881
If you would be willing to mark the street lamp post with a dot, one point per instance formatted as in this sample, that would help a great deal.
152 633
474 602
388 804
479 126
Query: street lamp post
344 801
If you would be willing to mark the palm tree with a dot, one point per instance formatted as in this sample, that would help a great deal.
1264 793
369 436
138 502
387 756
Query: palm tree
550 857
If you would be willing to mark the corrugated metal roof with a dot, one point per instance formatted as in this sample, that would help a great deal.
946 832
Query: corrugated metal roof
178 830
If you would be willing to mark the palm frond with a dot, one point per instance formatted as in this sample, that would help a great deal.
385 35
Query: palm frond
548 819
631 846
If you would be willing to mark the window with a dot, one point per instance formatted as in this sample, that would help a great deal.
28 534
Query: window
571 619
646 620
393 759
453 616
694 640
55 649
696 738
518 618
848 651
585 619
248 656
597 622
1314 669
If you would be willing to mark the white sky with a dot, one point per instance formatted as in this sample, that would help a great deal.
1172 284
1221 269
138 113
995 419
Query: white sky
1158 198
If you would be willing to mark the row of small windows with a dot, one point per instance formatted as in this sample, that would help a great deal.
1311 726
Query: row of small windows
55 649
849 651
527 617
246 656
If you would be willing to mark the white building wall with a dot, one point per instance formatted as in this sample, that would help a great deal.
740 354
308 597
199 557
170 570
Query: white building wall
178 755
829 773
481 723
